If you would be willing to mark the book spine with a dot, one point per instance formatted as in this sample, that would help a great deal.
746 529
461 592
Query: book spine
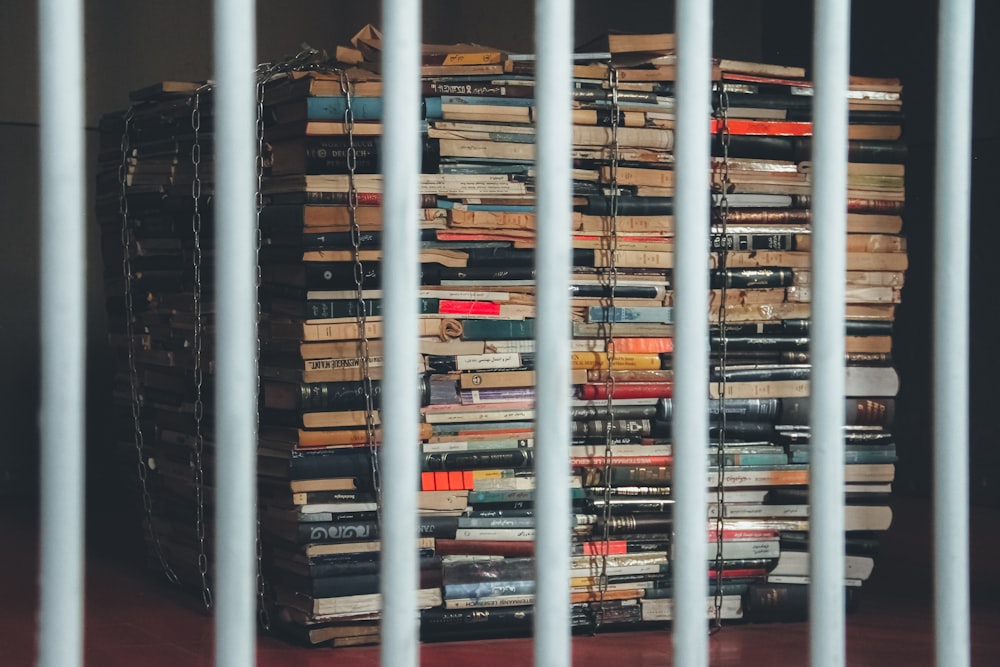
463 621
327 532
600 205
348 395
770 215
659 315
622 390
334 108
329 155
497 522
620 460
745 242
330 198
477 460
507 548
322 464
318 309
761 374
337 586
799 149
746 409
628 476
498 329
752 278
484 590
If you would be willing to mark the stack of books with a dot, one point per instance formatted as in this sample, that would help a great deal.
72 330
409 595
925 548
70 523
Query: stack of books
322 323
153 225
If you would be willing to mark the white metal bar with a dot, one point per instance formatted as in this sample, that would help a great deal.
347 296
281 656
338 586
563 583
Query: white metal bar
235 47
951 332
831 61
553 262
400 400
63 332
690 425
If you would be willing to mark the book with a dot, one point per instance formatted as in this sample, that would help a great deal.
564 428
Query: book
796 563
773 601
662 609
349 605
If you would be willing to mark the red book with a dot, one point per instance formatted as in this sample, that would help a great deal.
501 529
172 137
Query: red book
773 128
453 307
602 548
510 548
738 573
598 391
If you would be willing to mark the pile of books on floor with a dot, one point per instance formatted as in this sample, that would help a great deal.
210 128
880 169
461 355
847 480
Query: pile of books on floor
321 337
155 217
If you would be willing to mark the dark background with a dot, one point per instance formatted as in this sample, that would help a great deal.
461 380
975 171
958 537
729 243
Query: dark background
130 45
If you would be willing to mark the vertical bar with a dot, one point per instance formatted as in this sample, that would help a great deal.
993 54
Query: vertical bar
831 61
951 332
63 332
553 263
236 302
691 211
400 411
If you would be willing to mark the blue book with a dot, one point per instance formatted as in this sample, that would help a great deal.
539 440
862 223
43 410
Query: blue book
363 108
472 100
657 314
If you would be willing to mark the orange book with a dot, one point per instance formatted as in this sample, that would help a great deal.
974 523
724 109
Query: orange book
427 482
643 345
784 128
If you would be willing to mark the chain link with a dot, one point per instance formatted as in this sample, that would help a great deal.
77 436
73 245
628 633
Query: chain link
263 617
199 373
359 280
720 490
610 278
133 379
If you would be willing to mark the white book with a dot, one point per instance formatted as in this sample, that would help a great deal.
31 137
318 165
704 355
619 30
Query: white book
662 609
796 563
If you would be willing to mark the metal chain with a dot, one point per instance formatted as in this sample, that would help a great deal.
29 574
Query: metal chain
133 380
720 491
263 73
359 280
610 276
199 373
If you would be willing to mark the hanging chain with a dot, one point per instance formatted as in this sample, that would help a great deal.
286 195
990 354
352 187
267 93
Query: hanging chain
199 371
720 490
359 284
263 73
610 277
133 380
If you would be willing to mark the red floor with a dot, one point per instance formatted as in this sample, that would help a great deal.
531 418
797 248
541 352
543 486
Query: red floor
134 619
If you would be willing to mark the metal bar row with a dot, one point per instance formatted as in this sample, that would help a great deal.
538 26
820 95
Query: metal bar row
692 157
831 61
553 201
399 457
235 53
63 331
63 319
950 379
